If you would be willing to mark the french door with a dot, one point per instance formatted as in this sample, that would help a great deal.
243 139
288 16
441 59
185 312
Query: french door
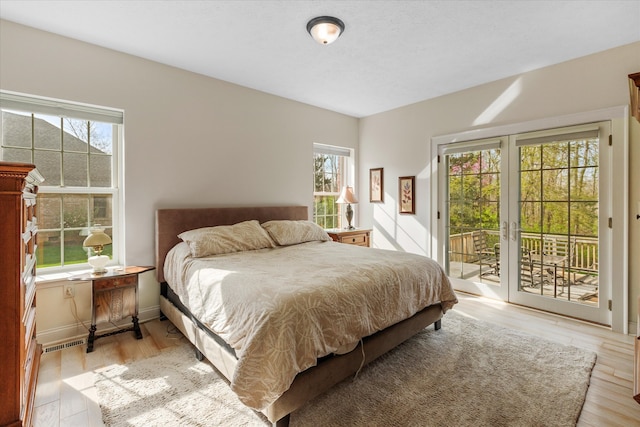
472 183
524 219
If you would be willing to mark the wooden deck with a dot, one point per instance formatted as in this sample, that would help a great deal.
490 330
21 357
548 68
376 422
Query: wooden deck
580 289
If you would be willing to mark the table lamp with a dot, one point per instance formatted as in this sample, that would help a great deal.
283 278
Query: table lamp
348 197
96 240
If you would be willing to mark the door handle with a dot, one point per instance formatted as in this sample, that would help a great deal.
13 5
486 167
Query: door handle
504 230
515 229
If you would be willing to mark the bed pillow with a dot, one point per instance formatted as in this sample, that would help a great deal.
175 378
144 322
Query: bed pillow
286 232
224 239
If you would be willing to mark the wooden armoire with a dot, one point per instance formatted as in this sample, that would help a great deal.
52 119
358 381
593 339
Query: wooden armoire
19 351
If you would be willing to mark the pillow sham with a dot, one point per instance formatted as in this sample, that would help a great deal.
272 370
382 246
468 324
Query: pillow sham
289 232
223 239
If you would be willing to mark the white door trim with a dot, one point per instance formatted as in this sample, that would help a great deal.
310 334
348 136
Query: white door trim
619 117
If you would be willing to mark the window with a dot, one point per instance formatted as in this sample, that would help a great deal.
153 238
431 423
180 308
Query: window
332 169
75 147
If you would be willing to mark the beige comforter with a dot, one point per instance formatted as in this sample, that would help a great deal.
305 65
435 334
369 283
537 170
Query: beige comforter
281 309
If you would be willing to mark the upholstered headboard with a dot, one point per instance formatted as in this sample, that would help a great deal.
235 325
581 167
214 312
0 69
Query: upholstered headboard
171 222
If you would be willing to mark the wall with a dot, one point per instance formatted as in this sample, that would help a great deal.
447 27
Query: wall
399 140
196 141
189 141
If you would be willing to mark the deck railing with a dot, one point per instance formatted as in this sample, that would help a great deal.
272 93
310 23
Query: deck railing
583 256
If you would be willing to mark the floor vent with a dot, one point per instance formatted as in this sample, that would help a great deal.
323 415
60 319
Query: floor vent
64 345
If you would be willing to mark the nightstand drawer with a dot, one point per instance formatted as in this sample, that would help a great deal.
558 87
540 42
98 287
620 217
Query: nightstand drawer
356 239
114 282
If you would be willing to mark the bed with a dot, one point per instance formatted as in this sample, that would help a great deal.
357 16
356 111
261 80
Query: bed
322 355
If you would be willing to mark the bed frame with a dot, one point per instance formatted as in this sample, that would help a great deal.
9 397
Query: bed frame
308 384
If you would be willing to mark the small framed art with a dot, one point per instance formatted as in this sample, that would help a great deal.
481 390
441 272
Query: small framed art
406 194
376 185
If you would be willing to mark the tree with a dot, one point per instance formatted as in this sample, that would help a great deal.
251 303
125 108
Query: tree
96 134
558 189
325 172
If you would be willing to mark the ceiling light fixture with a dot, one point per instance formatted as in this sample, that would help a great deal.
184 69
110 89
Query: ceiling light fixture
325 29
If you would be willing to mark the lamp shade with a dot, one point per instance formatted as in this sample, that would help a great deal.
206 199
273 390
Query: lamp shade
325 29
96 237
347 196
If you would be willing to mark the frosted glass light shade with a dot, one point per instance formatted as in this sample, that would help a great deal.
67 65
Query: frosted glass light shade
325 29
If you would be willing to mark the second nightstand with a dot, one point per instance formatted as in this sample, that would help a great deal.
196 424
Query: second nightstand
114 296
357 236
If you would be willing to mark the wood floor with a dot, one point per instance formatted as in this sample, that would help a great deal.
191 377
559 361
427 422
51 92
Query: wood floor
66 396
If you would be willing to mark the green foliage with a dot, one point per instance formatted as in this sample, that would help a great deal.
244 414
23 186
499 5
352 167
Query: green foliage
49 253
325 173
558 189
474 190
325 211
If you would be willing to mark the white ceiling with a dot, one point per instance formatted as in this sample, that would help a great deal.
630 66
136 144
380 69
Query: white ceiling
392 53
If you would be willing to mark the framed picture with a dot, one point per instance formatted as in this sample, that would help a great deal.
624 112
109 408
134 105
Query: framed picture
406 194
376 185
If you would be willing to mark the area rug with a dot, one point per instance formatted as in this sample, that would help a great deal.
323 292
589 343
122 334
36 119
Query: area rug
469 373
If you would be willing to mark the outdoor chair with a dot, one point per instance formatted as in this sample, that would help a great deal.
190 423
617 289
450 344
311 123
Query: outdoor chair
562 252
496 254
485 254
529 276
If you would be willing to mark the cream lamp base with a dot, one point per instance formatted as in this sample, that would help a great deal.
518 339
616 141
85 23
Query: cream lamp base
98 262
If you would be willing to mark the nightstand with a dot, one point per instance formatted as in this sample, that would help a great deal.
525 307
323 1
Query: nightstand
357 236
114 296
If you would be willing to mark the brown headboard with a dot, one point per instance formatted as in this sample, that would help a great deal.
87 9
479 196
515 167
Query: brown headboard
171 222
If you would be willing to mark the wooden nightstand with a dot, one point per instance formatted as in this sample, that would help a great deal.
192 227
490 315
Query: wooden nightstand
115 296
357 236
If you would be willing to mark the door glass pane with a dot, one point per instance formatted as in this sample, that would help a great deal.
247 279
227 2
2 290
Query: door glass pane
559 220
473 202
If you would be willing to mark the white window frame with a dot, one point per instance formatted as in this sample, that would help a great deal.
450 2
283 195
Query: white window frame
348 155
62 108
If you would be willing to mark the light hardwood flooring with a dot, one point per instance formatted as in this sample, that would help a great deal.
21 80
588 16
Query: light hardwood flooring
66 396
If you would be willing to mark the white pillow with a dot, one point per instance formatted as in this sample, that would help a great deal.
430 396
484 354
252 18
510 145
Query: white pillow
223 239
286 232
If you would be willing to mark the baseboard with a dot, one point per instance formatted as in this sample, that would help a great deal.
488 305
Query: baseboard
68 333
